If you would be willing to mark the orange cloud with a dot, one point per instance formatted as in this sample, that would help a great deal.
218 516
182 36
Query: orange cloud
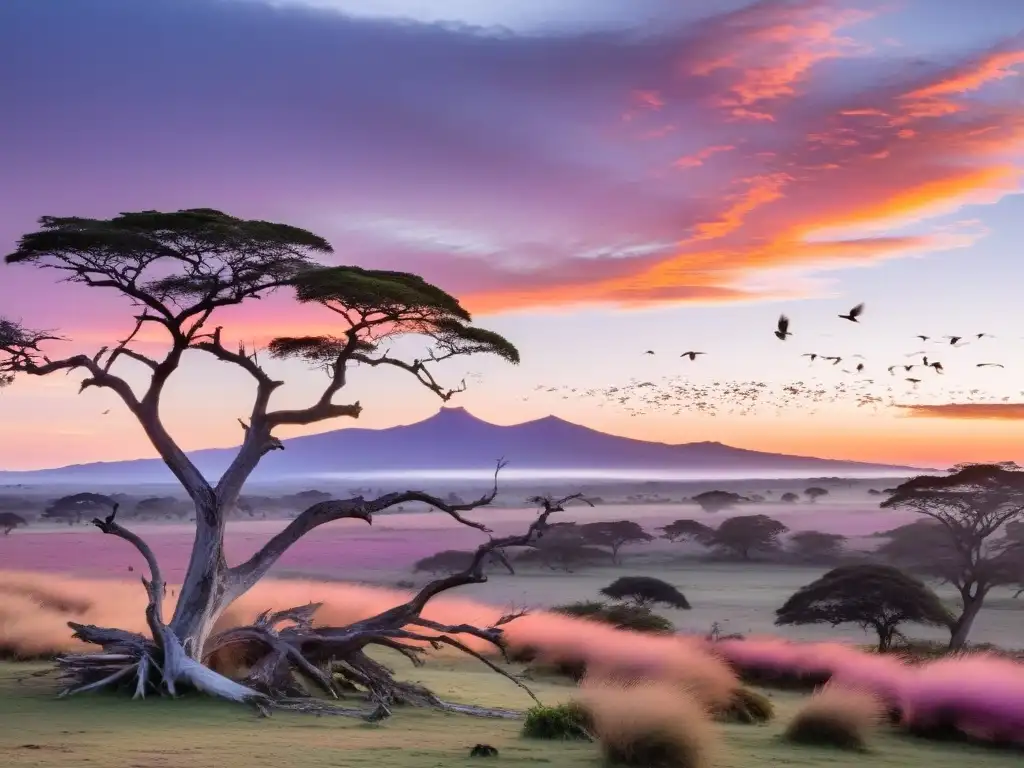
772 49
889 157
697 159
935 99
988 411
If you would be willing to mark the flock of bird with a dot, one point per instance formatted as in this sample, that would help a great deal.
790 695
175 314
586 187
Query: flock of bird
859 386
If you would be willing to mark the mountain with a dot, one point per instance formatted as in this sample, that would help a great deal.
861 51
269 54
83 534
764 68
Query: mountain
455 440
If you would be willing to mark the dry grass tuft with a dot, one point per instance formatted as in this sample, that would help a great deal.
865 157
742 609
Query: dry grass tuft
649 724
837 717
747 707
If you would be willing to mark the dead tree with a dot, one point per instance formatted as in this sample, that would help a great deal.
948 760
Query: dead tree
282 649
179 270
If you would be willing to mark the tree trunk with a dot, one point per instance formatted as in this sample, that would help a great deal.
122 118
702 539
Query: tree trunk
962 626
885 634
203 595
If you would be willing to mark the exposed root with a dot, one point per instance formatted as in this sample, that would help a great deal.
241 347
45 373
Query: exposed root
281 650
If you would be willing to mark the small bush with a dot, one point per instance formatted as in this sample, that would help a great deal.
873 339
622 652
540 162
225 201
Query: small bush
650 726
619 615
748 707
836 717
566 722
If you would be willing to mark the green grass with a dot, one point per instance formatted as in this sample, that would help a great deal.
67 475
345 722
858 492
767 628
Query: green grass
111 732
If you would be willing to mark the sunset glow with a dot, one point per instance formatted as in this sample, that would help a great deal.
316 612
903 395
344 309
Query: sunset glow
591 182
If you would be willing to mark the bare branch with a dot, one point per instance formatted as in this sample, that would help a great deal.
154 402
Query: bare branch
211 343
155 587
243 576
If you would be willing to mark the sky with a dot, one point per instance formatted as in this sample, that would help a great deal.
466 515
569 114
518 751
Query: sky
592 178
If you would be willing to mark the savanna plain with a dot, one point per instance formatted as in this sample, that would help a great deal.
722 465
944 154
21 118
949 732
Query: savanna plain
60 570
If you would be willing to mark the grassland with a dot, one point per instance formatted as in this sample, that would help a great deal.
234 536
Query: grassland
41 731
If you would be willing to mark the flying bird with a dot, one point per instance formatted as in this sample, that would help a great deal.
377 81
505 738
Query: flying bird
649 352
812 355
915 382
854 313
936 365
990 365
692 355
953 339
923 338
783 329
835 360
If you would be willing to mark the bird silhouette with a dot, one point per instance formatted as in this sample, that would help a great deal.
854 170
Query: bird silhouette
835 360
923 338
692 355
649 352
854 313
953 339
936 365
860 367
812 355
783 328
989 365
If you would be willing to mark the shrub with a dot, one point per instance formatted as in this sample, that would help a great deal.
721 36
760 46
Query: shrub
565 722
836 717
748 707
650 725
619 615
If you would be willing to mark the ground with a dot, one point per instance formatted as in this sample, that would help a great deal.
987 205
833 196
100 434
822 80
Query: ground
739 597
43 732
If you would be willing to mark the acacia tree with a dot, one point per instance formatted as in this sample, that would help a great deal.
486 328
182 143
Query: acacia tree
716 501
179 270
745 534
970 507
878 597
817 546
70 509
815 492
11 520
645 591
614 535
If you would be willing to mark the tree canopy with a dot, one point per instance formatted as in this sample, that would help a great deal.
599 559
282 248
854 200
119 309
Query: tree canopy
741 535
11 520
878 597
815 492
964 541
789 498
646 591
745 534
688 530
716 501
178 270
817 546
613 534
70 509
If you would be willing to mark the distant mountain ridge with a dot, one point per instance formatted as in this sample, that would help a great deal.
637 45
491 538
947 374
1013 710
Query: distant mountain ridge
455 440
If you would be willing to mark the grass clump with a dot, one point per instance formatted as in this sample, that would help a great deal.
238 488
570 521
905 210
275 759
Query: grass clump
650 725
748 707
562 722
842 718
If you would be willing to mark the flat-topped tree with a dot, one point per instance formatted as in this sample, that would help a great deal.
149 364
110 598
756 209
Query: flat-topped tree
971 508
178 270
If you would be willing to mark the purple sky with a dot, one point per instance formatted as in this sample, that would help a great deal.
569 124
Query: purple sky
592 178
